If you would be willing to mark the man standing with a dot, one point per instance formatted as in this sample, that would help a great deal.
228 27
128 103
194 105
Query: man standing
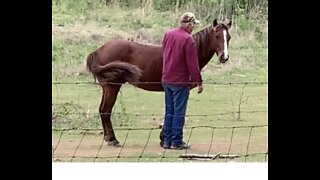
180 72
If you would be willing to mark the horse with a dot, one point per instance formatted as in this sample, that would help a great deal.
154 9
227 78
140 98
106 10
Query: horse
119 61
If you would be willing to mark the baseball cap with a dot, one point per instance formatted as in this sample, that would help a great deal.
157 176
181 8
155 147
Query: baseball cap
189 17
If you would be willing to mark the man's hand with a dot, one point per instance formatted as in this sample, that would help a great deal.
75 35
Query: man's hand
200 88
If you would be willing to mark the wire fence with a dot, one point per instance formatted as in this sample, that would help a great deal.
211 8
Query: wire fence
217 148
157 83
77 134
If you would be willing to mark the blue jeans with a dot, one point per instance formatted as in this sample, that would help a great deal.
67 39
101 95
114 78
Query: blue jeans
176 98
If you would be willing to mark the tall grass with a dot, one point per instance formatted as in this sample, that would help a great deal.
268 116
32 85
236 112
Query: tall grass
80 26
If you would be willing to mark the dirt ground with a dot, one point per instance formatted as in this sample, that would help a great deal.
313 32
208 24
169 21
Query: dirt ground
92 148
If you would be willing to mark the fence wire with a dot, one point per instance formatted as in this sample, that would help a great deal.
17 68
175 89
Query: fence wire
148 148
246 143
157 83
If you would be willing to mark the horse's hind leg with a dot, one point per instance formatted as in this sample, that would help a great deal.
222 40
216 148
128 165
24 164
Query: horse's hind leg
108 100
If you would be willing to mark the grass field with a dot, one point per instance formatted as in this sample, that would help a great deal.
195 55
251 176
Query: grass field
75 33
76 106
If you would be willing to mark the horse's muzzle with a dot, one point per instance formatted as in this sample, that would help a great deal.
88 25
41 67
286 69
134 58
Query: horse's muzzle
223 59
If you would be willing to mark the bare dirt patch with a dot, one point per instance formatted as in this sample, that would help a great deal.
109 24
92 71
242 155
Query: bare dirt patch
94 147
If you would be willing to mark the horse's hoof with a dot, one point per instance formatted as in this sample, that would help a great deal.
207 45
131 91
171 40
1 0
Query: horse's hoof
114 143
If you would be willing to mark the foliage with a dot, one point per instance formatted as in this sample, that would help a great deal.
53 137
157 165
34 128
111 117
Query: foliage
80 26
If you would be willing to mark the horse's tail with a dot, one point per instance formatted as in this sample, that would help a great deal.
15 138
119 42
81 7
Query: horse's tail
114 72
93 65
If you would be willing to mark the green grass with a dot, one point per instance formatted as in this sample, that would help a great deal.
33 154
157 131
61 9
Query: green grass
77 106
139 107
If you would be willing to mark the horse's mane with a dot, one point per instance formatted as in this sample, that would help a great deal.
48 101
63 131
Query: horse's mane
221 25
203 40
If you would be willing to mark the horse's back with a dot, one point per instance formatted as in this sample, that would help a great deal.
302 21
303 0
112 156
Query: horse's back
113 50
128 51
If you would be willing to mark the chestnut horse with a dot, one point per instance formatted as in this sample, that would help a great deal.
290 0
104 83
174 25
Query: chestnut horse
120 61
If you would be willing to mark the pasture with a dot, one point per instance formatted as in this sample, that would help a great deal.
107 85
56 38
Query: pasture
229 117
210 119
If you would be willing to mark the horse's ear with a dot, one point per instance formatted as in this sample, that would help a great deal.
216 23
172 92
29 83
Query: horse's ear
215 22
229 24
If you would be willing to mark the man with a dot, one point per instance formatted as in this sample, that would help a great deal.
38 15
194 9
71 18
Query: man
180 72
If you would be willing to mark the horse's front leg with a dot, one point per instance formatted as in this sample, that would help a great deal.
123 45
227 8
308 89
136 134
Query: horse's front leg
109 97
161 138
161 135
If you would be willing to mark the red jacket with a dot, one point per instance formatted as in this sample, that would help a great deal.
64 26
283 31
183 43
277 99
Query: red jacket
180 60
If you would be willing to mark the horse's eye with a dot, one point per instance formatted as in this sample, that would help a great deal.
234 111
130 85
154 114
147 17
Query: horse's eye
217 37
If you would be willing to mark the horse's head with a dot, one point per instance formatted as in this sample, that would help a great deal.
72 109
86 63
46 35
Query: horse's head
221 37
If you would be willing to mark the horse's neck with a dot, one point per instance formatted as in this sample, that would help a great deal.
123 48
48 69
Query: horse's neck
203 41
205 58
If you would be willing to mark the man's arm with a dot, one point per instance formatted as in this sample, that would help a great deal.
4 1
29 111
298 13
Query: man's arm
192 61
